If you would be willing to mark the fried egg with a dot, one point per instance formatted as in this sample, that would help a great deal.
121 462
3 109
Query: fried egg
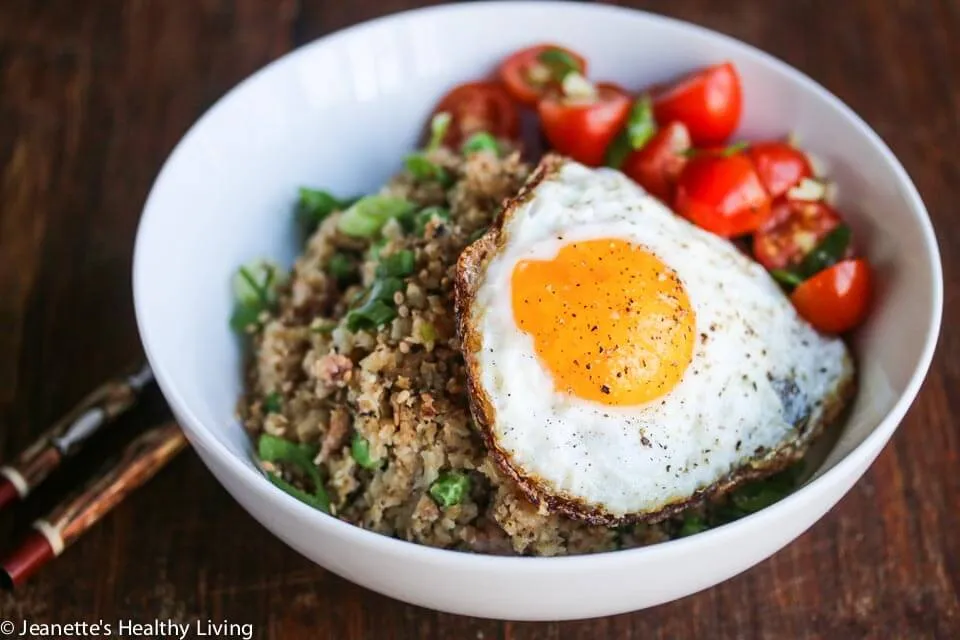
623 363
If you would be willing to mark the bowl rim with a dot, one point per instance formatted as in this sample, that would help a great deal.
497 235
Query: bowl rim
254 483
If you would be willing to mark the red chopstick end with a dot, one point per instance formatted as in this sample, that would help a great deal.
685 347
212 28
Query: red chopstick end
8 492
24 561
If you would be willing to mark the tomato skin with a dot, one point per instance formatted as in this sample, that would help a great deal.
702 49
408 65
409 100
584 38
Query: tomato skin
837 299
515 69
793 229
584 130
722 194
779 165
708 101
657 165
479 106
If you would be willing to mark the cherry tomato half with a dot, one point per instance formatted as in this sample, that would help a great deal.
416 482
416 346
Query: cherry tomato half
708 101
657 165
528 77
722 194
479 106
793 229
779 165
583 129
836 299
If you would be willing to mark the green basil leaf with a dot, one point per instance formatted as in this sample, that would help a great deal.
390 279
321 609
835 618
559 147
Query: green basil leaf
787 278
559 62
829 251
618 150
641 125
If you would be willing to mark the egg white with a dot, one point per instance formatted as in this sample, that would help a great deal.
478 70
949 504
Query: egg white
756 367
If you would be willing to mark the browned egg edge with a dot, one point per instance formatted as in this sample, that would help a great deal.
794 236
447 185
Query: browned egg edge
470 272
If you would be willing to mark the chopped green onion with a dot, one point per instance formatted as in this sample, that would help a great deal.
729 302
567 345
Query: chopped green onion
372 315
786 278
423 169
559 62
829 251
373 253
384 289
255 289
758 495
378 309
438 129
341 267
360 451
397 265
317 501
424 216
277 450
476 235
481 141
450 488
273 403
428 333
692 524
255 283
367 216
323 327
753 498
243 318
314 205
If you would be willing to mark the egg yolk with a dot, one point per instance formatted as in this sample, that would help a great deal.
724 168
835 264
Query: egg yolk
611 321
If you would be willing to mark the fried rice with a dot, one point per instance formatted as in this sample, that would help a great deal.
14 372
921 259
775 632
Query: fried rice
401 388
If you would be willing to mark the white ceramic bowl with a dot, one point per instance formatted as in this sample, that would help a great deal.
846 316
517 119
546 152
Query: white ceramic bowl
340 113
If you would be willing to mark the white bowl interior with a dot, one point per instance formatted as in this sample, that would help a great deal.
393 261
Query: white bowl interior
340 113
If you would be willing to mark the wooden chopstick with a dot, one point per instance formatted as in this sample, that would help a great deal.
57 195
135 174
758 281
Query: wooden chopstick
68 435
139 461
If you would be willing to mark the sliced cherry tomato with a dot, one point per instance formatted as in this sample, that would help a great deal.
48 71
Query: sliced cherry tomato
479 106
779 165
722 194
530 73
708 101
793 229
836 299
657 165
583 129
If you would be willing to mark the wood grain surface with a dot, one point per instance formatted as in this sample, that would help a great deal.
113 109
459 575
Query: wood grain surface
93 96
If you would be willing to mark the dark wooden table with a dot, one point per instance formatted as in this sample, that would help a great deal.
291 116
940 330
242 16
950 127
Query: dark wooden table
93 96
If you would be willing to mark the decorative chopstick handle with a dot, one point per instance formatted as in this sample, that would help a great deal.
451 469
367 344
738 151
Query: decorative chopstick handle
139 461
69 434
